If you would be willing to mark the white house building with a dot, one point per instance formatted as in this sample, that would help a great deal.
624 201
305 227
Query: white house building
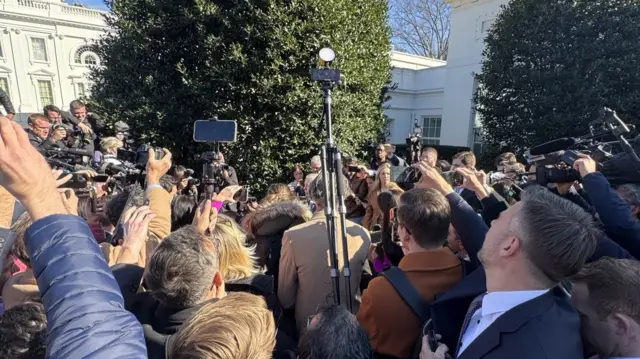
45 51
45 58
436 94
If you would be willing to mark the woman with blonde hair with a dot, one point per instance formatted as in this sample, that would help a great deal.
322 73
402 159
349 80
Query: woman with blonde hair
382 183
109 147
237 260
278 192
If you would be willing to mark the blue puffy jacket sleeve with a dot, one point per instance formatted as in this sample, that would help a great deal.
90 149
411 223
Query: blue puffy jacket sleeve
85 310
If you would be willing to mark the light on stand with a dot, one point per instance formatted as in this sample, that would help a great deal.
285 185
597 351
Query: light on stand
327 55
332 178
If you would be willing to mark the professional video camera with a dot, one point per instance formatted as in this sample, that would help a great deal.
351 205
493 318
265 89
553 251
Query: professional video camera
213 131
67 158
554 159
414 144
213 169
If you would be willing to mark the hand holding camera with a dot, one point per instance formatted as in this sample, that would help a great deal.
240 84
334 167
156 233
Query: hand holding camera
157 167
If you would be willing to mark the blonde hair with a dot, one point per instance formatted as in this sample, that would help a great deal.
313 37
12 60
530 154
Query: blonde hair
377 186
110 144
278 193
237 260
237 326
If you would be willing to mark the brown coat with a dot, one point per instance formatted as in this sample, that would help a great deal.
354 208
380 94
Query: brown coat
392 327
304 278
373 215
159 227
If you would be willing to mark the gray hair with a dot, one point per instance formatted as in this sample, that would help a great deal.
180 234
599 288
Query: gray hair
336 335
316 160
630 193
558 236
182 268
316 188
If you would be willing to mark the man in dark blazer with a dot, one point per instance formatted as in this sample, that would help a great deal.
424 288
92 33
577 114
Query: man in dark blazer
512 305
467 160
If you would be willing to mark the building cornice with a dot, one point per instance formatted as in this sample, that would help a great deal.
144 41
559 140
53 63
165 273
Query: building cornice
49 20
459 3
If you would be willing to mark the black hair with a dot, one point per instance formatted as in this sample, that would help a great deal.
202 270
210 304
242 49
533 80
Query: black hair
336 335
183 209
23 331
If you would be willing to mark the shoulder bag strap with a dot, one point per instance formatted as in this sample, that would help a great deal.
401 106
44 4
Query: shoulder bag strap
408 293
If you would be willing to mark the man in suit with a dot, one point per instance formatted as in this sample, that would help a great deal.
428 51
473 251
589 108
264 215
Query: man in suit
304 280
467 160
512 306
423 223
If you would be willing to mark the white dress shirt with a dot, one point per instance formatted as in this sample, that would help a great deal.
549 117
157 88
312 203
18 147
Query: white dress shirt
493 306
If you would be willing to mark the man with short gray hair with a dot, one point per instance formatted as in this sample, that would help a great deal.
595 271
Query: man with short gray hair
516 307
182 275
316 164
304 279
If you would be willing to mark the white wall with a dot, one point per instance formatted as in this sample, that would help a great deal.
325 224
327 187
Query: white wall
419 93
470 20
64 28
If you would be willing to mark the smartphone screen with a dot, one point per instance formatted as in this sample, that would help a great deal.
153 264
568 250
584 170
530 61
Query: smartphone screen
215 131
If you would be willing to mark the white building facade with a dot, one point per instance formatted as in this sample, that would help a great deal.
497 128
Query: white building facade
46 56
439 95
46 53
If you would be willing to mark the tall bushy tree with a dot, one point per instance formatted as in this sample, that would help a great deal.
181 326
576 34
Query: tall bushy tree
168 63
551 66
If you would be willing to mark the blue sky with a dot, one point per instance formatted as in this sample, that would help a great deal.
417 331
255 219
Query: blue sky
94 4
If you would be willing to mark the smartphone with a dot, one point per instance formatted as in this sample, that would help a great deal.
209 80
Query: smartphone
77 181
244 196
376 234
100 178
215 131
454 178
353 169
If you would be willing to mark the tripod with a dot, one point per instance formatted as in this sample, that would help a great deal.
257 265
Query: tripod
332 179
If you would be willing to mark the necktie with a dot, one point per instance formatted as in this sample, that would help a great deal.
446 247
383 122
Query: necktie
475 305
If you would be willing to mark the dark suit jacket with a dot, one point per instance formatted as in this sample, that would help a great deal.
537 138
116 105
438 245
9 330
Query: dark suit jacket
545 327
615 214
471 198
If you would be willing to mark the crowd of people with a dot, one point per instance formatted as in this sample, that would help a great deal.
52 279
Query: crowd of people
481 267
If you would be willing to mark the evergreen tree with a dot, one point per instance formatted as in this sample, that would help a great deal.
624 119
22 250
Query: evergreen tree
168 63
551 66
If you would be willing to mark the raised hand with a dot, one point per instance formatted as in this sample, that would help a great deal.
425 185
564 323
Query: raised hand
206 217
157 168
227 193
26 174
431 178
474 181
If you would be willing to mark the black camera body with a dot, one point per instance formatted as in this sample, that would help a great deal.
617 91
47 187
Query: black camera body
142 155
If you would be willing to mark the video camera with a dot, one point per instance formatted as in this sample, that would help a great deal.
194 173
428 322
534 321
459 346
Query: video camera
213 131
66 158
554 159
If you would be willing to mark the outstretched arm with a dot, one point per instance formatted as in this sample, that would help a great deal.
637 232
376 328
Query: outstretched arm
85 310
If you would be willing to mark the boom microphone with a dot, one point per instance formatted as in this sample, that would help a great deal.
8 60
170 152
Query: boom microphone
553 146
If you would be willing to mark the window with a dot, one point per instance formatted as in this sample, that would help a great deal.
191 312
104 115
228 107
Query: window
431 130
90 60
4 84
85 55
45 90
39 49
80 92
